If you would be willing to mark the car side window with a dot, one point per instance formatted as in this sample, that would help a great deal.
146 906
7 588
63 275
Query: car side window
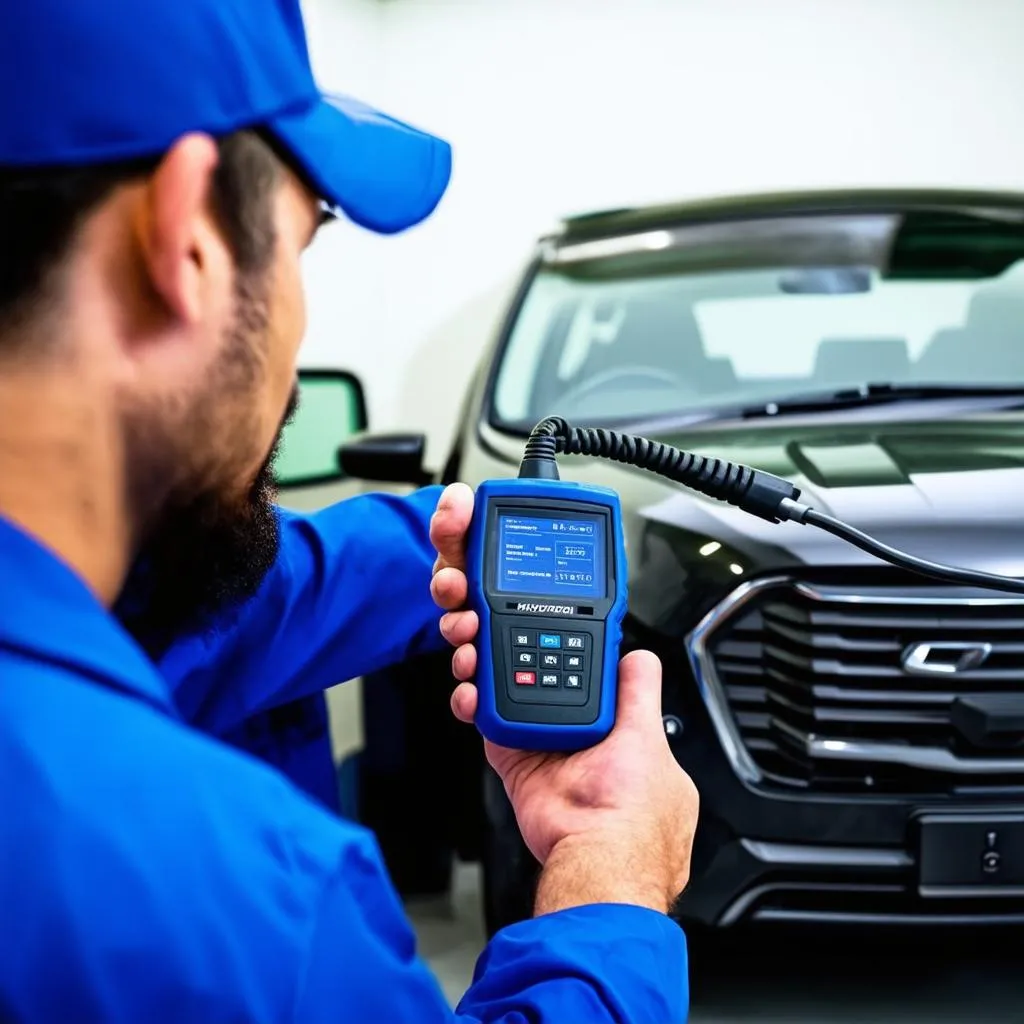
331 410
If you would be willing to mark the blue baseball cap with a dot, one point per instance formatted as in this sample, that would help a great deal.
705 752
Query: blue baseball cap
95 81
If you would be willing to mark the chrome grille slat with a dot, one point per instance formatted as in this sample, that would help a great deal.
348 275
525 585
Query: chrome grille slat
812 688
846 694
824 641
815 668
903 618
814 643
827 666
890 716
921 595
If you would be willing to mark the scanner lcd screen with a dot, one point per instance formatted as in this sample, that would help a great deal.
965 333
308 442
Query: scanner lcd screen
551 556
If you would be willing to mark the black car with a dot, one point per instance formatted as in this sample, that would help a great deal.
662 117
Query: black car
856 731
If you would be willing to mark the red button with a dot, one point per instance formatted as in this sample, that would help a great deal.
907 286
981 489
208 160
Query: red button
526 678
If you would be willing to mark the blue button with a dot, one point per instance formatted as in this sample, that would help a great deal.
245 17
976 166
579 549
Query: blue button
550 640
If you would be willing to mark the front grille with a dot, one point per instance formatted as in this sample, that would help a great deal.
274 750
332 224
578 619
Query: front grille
813 681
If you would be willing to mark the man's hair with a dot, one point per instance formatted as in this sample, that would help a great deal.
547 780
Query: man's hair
42 210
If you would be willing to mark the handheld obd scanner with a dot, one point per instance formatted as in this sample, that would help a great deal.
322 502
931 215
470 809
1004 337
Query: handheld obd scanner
547 578
546 567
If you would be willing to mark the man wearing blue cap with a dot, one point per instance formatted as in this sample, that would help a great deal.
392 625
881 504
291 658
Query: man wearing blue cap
162 168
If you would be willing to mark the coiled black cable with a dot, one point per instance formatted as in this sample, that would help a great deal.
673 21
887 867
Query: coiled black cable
755 492
761 494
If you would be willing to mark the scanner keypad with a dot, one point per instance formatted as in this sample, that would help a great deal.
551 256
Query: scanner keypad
550 658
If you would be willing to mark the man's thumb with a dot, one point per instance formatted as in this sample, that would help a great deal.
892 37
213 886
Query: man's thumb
449 524
639 705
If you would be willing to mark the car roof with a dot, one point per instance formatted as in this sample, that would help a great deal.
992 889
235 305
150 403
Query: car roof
627 220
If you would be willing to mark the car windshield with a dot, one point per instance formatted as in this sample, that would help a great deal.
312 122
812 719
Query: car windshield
711 319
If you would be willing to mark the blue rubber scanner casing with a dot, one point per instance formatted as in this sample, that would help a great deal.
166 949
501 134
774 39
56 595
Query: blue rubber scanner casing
566 635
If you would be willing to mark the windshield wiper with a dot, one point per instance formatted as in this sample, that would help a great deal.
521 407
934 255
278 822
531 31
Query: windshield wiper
876 394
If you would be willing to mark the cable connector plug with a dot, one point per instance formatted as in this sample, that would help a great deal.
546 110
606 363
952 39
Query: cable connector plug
793 511
538 468
769 497
538 462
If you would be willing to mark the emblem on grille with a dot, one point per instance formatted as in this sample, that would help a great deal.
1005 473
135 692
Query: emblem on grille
943 658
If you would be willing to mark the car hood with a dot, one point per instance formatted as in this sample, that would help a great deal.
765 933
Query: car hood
950 491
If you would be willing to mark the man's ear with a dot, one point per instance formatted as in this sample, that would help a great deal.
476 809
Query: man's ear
174 225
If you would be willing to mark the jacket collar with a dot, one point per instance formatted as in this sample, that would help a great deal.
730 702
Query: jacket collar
48 613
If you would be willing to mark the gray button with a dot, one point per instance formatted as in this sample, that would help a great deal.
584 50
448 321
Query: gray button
550 660
525 659
575 642
523 638
549 679
573 680
574 661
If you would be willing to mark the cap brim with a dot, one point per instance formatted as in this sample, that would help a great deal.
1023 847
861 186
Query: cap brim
384 175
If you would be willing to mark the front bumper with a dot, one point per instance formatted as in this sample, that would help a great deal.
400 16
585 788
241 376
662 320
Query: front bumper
749 881
764 854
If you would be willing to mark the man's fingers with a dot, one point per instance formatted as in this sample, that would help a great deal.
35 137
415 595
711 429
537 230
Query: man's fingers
449 589
464 662
449 524
639 705
459 628
464 702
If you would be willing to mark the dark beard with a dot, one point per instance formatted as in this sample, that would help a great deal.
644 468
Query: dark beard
208 551
204 559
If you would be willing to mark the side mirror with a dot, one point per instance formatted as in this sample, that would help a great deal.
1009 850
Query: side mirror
332 408
387 458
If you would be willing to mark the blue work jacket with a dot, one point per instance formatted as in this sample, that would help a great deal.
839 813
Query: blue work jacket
371 560
150 872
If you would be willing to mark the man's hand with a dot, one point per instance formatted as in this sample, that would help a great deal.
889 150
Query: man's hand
611 824
448 587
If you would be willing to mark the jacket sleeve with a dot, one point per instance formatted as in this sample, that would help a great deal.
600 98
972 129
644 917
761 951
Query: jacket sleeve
348 595
603 962
596 964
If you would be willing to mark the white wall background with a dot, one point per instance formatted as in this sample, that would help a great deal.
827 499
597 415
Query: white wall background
558 106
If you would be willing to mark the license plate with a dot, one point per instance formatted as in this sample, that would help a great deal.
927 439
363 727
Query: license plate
964 855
